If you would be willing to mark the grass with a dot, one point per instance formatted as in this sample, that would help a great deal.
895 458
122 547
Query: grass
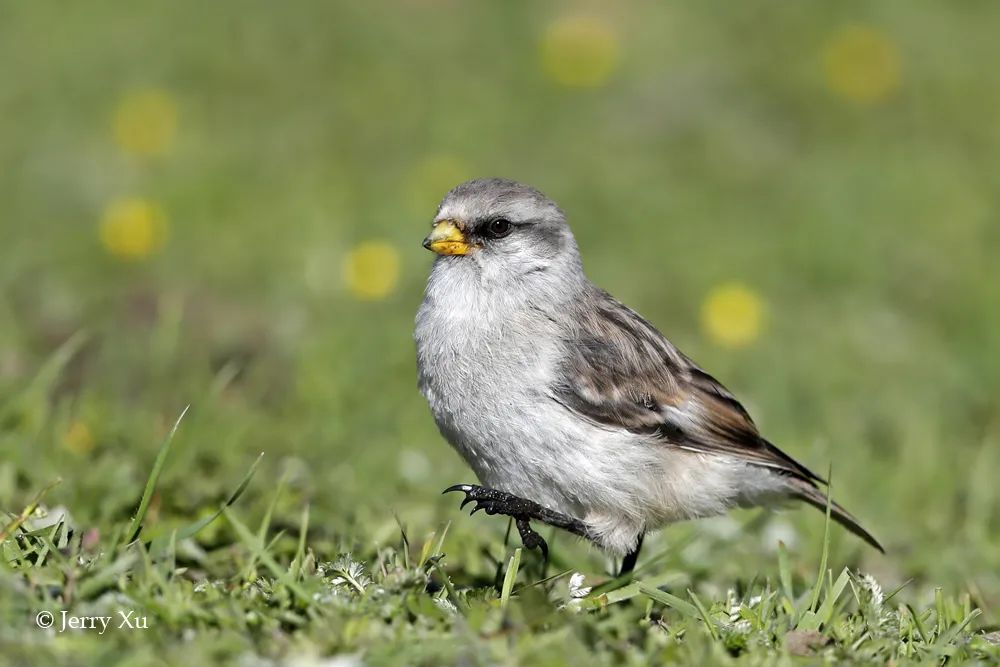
245 240
275 593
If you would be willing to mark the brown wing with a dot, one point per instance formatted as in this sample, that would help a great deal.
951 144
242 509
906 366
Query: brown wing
619 371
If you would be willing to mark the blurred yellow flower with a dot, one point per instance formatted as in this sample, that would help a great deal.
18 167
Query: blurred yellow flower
145 122
431 178
862 64
78 438
371 270
732 315
133 228
579 51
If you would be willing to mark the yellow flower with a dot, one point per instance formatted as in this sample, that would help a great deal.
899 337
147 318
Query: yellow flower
579 51
371 270
133 228
432 178
145 122
78 438
862 65
732 315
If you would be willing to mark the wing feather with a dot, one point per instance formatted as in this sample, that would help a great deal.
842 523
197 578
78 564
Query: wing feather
621 372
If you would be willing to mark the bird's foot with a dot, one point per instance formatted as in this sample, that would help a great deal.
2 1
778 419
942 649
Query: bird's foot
494 501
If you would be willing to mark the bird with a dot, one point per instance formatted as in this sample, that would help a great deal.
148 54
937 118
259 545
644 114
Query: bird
570 407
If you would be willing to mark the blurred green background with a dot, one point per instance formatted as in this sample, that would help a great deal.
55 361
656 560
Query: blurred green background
225 201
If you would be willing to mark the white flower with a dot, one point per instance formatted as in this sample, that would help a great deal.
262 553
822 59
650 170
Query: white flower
735 607
576 587
874 589
350 572
446 605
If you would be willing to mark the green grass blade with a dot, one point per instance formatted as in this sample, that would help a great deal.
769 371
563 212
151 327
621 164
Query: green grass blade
53 367
785 572
432 548
510 577
546 580
602 599
405 547
709 623
684 607
917 624
818 587
147 494
300 551
896 590
825 611
450 588
49 544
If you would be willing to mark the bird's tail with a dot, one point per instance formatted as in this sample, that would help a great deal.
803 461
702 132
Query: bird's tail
807 491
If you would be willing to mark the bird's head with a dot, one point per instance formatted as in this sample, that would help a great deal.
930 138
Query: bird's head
503 227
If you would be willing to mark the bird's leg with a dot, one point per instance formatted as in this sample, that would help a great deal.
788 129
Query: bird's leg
494 501
628 563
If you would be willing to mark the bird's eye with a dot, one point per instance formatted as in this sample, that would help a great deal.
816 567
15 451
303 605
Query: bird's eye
499 228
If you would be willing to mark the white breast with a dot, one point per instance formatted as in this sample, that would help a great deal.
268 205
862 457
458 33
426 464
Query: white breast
486 364
482 375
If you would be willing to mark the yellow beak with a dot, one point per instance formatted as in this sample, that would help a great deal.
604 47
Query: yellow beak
447 239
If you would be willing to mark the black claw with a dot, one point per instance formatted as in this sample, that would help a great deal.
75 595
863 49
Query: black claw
486 507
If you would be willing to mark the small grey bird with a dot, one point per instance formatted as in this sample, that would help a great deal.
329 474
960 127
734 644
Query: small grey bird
570 407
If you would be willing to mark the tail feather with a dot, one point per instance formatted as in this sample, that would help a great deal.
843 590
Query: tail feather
808 492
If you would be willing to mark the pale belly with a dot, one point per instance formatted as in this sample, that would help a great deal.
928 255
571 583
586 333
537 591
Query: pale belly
490 400
516 438
501 425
